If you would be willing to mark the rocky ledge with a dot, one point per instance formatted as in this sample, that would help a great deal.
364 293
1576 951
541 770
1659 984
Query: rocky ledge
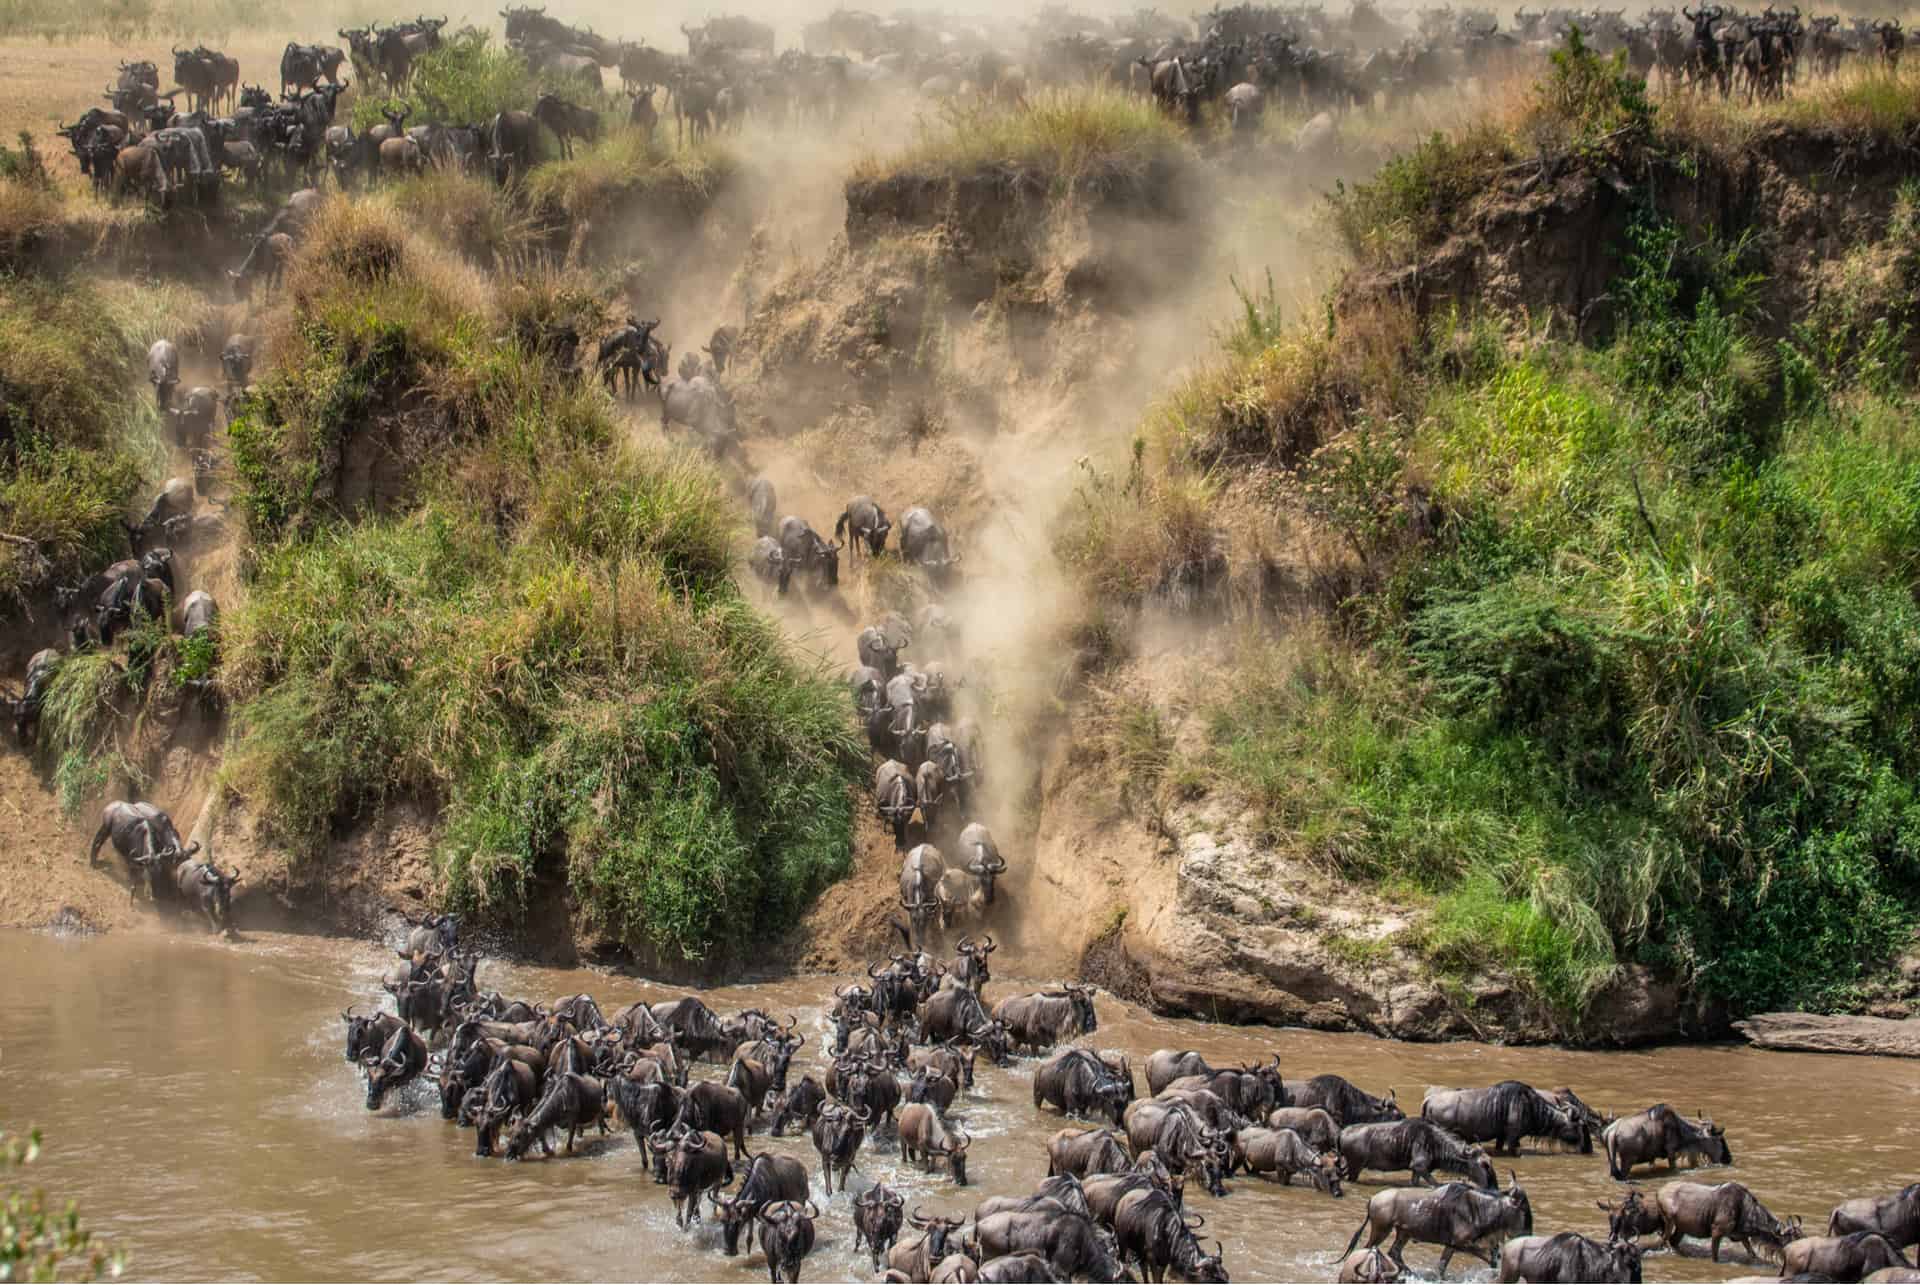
1815 1033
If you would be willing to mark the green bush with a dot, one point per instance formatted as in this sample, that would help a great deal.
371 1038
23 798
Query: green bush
540 636
466 81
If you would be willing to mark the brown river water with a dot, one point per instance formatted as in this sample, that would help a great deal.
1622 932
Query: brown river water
194 1100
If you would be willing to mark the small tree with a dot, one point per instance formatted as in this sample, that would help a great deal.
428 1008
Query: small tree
42 1244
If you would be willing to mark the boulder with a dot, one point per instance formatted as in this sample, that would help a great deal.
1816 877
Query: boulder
1818 1033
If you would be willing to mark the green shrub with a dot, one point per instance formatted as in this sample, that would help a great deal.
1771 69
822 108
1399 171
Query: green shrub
466 81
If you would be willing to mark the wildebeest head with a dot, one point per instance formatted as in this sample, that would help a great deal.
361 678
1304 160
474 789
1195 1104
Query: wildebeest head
218 891
1083 1012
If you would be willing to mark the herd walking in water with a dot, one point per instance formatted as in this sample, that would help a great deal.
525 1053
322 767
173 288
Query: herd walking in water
1121 1189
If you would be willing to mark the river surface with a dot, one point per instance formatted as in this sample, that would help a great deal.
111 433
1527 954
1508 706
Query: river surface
194 1100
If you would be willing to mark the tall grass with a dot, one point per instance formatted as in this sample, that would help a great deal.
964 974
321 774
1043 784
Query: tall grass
74 437
1619 677
542 637
1065 134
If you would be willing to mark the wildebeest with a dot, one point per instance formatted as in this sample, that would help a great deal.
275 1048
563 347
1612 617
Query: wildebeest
202 887
924 1138
192 420
919 874
1150 1229
25 707
1042 1020
807 552
923 542
568 121
1661 1133
570 1101
398 1063
511 140
762 503
1457 1217
786 1236
1840 1258
838 1132
145 838
863 522
1086 1152
1504 1114
1250 1088
267 258
1320 1129
1368 1267
1104 1191
1419 1146
1183 1140
1282 1153
1726 1211
1079 1083
877 1215
915 1257
879 652
1071 1244
768 1179
1897 1217
1340 1099
696 1163
163 371
1568 1257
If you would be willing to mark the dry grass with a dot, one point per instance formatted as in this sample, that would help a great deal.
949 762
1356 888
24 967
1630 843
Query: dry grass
1063 133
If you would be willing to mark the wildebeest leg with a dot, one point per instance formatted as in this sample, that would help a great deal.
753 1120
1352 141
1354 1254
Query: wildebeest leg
570 1133
1399 1244
1446 1256
100 837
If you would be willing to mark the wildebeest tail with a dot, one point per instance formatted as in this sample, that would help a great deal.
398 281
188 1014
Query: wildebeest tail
1365 1223
840 527
905 936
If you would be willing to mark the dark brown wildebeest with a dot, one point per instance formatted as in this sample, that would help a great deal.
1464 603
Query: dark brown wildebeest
1504 1114
163 371
1150 1229
568 121
763 503
768 1179
838 1132
511 145
202 887
924 1138
1631 1217
786 1237
1320 1130
1726 1211
1182 1139
718 1109
1077 1082
1897 1217
863 521
1457 1217
511 1088
696 1163
367 1033
1104 1191
1282 1153
1368 1267
25 707
1661 1133
1340 1099
920 871
643 115
1046 1018
1071 1244
1851 1257
1251 1089
1568 1257
877 1215
146 840
1419 1146
398 1063
916 1256
1085 1152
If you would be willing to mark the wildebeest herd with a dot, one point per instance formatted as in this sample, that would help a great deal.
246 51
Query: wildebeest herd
1240 58
1112 1192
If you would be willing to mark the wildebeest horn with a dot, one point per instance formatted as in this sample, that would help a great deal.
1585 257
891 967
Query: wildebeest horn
1195 1221
916 1218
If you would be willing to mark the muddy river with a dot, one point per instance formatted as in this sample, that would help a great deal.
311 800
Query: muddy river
194 1099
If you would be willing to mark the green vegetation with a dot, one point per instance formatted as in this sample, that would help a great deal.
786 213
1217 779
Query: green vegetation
1602 652
539 632
1089 132
72 433
43 1243
468 80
